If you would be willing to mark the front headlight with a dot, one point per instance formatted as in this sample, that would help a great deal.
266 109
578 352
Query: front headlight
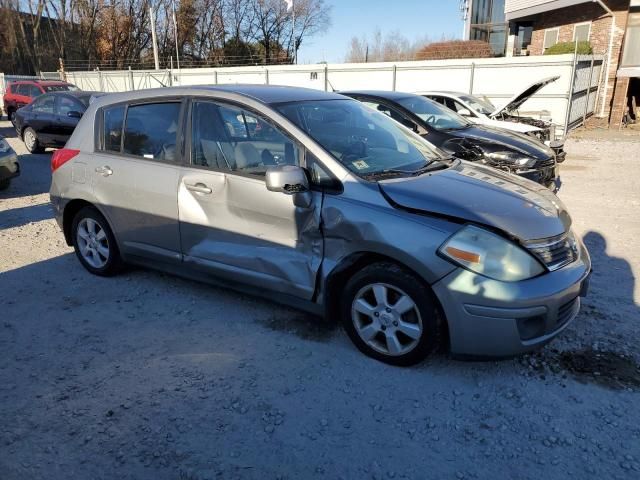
4 146
513 158
490 255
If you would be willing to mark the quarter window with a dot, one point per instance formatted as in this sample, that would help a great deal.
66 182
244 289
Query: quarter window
44 104
150 131
112 128
234 139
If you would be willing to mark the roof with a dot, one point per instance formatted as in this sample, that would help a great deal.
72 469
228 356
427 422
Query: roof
41 82
266 94
75 93
272 94
441 92
380 93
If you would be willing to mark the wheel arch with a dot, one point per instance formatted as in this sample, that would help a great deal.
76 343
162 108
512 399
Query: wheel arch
70 211
338 277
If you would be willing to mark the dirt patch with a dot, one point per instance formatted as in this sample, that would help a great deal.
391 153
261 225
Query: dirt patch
608 369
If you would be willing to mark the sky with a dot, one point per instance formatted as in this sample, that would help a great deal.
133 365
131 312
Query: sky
415 19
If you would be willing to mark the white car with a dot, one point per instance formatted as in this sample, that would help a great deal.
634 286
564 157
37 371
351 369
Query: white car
483 112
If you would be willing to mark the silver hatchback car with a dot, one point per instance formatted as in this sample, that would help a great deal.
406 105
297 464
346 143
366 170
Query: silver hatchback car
320 202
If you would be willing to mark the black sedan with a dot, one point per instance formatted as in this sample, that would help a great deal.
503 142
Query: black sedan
502 149
50 120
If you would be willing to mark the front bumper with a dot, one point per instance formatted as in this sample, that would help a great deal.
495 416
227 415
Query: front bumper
490 318
9 166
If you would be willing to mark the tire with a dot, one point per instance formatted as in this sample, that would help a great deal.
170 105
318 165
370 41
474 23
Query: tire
4 184
94 243
384 301
30 139
11 117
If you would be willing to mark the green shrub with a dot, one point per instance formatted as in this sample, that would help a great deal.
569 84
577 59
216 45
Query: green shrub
584 48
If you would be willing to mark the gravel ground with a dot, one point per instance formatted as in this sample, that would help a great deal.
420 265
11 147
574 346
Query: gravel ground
147 376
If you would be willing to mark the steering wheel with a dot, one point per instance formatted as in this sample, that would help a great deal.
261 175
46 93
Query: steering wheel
431 119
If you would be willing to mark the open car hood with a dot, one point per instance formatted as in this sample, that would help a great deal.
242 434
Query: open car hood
482 195
517 100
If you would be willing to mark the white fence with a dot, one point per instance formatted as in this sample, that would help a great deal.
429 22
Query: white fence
567 101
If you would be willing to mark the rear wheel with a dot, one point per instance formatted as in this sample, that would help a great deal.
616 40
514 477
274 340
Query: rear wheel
390 314
30 139
94 243
11 117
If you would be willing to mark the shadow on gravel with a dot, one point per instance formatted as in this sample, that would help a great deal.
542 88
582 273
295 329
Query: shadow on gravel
305 326
8 132
25 215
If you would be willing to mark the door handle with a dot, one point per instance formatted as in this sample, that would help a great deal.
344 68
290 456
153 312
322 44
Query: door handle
199 188
105 170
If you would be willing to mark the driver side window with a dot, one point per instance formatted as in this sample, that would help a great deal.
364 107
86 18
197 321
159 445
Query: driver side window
230 138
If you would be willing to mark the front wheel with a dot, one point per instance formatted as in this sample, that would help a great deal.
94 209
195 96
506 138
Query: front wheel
31 141
94 243
390 314
11 116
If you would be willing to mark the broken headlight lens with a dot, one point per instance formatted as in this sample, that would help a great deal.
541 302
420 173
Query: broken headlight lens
490 255
513 158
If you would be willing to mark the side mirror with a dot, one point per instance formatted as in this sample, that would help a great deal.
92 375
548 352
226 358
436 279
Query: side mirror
74 114
286 179
464 112
291 180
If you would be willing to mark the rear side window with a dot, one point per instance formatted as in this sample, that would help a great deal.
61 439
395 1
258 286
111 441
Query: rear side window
150 131
112 128
44 104
66 105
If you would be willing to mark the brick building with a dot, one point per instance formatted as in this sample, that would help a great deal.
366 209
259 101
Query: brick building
612 27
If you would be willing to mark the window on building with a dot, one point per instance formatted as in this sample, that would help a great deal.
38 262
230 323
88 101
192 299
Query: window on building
550 37
581 32
631 49
524 32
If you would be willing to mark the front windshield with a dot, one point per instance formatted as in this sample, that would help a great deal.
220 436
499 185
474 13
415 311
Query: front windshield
478 104
363 140
434 114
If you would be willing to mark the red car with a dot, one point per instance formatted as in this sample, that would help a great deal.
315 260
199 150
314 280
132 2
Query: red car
23 92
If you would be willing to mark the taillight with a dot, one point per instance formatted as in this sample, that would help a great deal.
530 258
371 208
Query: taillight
62 156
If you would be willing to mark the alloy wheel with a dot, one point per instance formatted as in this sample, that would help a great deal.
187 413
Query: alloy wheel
386 319
30 140
93 243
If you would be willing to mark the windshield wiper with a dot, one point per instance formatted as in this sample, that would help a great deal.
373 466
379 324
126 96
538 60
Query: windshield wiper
429 167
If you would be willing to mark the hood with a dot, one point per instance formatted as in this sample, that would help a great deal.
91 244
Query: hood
516 101
513 126
474 193
492 139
